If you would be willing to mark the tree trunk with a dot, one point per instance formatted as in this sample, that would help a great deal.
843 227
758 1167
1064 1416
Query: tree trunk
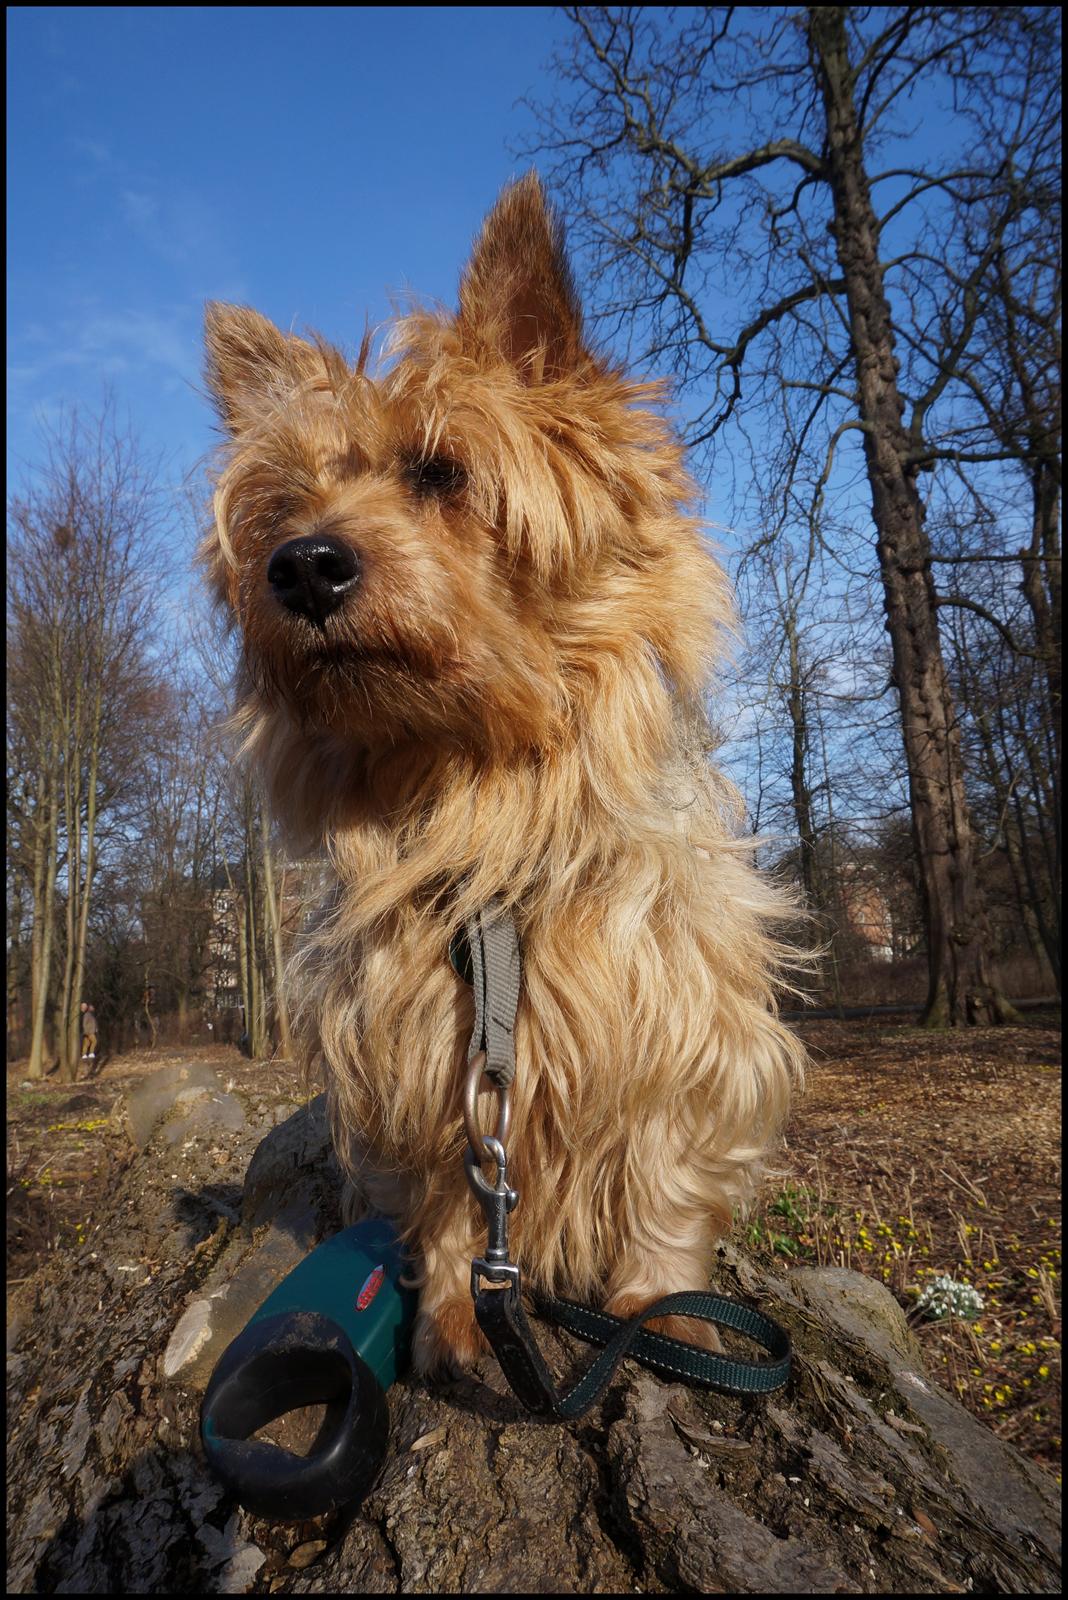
272 895
961 988
146 1002
1028 900
45 912
1042 590
255 1025
82 931
68 1054
41 865
799 787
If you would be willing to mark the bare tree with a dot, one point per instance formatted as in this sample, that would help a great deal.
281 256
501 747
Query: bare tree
35 671
1012 759
84 571
667 164
254 866
181 798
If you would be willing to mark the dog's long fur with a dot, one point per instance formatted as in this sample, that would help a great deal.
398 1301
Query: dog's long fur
511 703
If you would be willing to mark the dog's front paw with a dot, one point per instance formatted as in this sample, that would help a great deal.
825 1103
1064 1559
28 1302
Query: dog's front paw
447 1339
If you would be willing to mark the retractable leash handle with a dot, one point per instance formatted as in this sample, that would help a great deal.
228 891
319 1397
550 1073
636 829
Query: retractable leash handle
335 1332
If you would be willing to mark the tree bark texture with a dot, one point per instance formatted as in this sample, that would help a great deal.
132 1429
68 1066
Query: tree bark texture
862 1476
960 981
799 784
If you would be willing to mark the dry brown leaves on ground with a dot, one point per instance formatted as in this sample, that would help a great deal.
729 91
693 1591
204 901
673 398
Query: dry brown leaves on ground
915 1156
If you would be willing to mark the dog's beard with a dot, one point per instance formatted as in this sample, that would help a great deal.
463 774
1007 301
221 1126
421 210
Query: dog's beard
337 686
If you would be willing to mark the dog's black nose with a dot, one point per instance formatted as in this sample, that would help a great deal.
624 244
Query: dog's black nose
312 576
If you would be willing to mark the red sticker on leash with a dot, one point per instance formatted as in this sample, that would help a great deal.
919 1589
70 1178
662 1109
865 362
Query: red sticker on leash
372 1284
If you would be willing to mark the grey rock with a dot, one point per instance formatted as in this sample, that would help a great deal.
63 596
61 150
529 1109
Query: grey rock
201 1114
210 1322
154 1096
289 1166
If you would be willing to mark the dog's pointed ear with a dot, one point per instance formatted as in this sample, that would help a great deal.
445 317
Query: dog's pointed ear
251 364
517 296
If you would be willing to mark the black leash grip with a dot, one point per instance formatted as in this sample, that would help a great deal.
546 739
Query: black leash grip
499 1313
279 1363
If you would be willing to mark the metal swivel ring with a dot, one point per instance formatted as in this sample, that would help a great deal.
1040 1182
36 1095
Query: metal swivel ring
476 1071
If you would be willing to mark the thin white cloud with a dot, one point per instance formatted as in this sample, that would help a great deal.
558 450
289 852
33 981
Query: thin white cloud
95 149
119 341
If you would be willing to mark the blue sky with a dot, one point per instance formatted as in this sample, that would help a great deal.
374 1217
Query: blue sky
308 162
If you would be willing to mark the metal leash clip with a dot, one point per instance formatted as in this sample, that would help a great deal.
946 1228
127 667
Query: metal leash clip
496 1199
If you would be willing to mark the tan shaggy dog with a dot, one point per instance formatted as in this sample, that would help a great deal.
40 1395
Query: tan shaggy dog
478 620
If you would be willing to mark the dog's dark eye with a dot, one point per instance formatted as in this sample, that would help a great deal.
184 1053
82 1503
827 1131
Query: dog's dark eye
436 475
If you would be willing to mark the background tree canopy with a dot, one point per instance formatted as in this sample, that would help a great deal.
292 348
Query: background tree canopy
838 227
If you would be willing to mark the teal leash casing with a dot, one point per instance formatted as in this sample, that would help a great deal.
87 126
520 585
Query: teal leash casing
335 1332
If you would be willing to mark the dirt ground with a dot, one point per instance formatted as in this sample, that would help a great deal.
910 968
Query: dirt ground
915 1156
910 1157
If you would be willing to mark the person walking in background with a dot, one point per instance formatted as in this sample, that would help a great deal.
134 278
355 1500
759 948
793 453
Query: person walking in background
88 1032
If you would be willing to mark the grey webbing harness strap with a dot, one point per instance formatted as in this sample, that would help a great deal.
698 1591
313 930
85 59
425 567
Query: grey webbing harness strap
495 973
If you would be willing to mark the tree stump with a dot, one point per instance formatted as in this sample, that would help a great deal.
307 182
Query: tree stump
861 1476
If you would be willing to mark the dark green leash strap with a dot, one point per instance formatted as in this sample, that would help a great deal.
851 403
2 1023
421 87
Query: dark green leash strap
675 1357
502 1319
